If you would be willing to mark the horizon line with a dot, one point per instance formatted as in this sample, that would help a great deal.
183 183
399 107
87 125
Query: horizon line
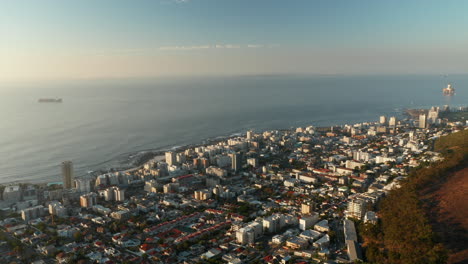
198 76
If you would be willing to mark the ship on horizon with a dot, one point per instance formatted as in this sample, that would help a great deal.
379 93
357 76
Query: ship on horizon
449 90
50 100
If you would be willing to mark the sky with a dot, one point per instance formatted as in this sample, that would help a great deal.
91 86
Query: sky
86 39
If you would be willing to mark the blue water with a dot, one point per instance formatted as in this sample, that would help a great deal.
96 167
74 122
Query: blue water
101 122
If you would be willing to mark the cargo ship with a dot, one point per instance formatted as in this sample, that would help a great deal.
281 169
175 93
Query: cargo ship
50 100
449 90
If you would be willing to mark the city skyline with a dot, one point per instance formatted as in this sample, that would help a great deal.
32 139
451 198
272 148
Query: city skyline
233 131
55 40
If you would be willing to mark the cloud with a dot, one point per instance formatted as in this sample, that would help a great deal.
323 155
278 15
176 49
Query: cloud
255 46
185 47
273 45
114 52
228 46
172 2
216 46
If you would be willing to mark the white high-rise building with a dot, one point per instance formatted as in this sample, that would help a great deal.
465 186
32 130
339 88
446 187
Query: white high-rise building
88 200
308 221
253 162
119 195
235 161
422 121
181 158
361 156
83 185
307 208
357 208
250 233
249 134
171 158
109 194
202 195
433 115
272 224
56 208
245 235
383 120
67 174
12 194
32 213
392 121
114 194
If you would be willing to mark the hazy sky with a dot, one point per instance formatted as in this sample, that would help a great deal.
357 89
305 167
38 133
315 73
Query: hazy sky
58 39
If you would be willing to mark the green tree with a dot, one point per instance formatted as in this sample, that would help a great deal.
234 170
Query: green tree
78 237
404 234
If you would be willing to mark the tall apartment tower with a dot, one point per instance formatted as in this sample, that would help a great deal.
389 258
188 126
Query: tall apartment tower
84 185
422 121
383 120
249 134
67 174
433 115
357 208
171 158
88 200
236 161
307 208
392 121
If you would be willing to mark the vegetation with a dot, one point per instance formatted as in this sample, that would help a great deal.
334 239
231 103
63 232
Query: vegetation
404 234
244 209
453 141
461 116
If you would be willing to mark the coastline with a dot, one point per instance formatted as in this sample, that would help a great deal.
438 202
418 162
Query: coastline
135 160
144 156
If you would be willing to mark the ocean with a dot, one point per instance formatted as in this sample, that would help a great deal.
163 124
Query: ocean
101 123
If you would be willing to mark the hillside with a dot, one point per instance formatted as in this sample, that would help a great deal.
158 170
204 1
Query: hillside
425 220
449 215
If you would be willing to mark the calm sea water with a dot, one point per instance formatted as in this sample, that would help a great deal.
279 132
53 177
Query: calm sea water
100 123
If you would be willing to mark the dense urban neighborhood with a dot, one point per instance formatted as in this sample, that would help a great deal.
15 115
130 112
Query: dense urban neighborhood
297 195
